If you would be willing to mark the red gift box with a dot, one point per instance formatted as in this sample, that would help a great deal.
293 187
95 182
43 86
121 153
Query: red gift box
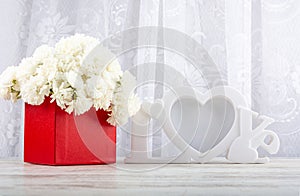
54 137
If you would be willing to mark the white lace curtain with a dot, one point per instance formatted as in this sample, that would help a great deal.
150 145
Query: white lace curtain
255 45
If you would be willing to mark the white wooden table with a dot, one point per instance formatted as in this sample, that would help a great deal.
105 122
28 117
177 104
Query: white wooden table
280 177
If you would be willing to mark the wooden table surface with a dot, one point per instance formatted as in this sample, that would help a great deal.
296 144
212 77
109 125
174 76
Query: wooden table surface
279 177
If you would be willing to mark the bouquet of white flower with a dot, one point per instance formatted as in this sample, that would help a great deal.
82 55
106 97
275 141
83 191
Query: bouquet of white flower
77 76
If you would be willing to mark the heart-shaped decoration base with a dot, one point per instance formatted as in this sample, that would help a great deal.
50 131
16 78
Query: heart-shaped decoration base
203 126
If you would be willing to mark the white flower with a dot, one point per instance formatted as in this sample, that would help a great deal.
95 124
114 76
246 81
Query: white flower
36 75
72 50
74 79
48 69
9 86
69 86
43 52
43 58
125 103
26 69
100 91
82 104
104 75
77 74
34 90
98 59
62 93
70 100
8 76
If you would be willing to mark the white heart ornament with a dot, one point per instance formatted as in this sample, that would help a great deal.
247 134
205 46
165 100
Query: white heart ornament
227 95
185 132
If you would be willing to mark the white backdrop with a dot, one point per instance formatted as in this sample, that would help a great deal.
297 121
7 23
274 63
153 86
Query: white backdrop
255 45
